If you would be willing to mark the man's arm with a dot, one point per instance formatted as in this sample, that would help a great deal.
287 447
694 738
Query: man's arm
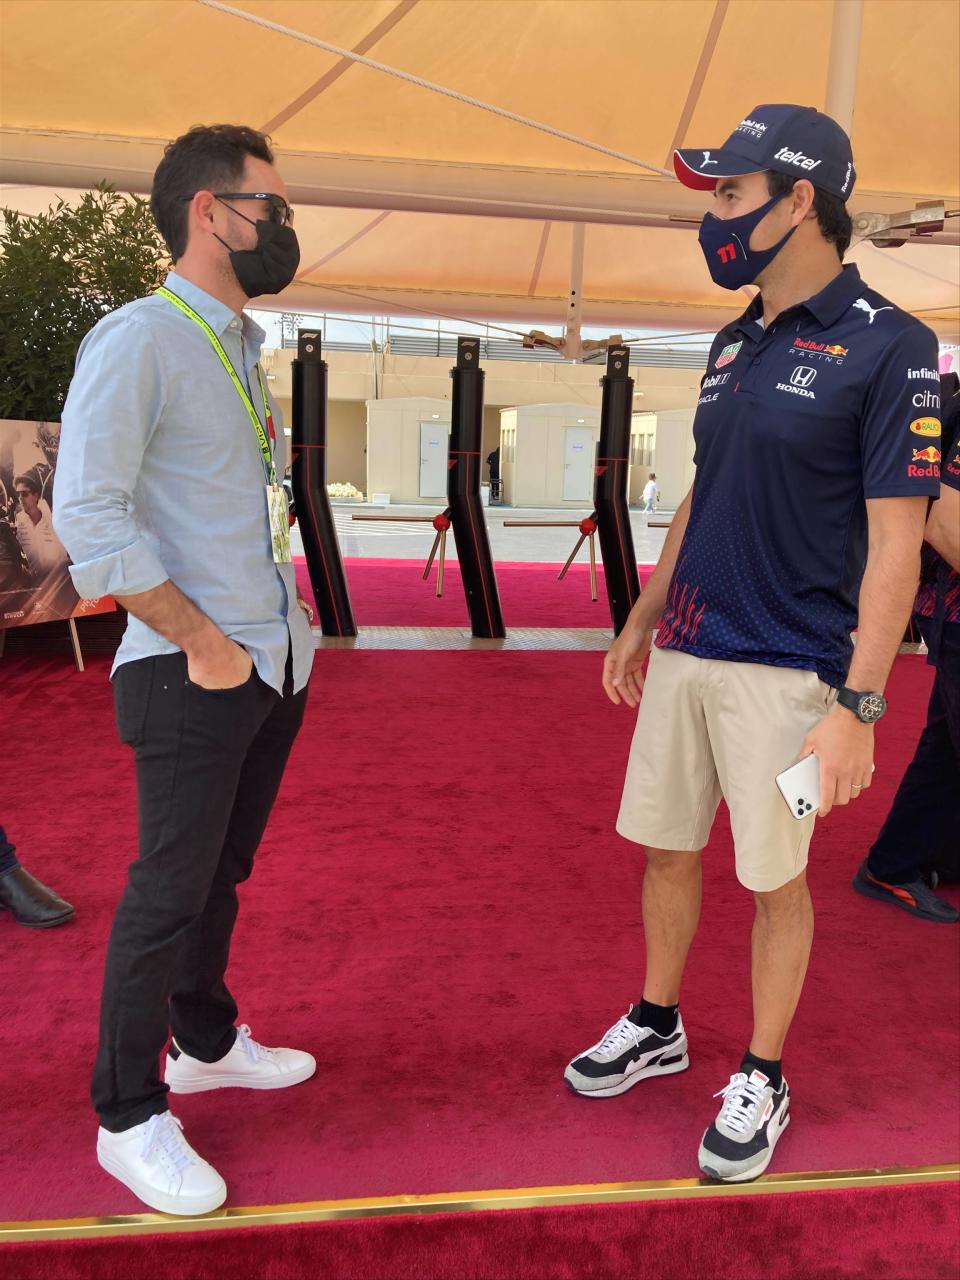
115 402
843 745
213 660
889 588
622 677
943 526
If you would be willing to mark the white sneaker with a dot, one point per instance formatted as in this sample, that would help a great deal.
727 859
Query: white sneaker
627 1054
159 1166
248 1065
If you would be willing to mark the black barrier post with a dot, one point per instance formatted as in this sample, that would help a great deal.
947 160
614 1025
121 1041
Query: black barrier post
610 488
463 494
309 459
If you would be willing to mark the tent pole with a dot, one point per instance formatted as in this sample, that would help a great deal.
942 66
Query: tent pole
844 61
572 349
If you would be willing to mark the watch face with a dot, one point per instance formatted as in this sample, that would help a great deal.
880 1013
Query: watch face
871 707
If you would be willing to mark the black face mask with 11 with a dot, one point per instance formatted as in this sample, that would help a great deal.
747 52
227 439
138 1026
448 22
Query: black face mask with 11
269 267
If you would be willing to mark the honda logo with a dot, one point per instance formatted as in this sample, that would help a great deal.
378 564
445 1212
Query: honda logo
803 375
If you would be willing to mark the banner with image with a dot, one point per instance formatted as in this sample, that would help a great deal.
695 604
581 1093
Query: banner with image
35 582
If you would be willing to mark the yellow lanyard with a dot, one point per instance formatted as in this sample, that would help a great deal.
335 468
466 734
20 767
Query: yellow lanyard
262 438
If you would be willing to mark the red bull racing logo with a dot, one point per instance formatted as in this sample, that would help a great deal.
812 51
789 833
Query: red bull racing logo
827 351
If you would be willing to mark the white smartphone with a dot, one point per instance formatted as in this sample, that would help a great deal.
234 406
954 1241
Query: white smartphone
800 786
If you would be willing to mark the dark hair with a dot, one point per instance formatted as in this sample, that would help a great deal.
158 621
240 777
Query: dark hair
836 226
29 482
205 158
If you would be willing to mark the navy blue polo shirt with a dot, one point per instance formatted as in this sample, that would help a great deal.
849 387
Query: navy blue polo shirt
796 425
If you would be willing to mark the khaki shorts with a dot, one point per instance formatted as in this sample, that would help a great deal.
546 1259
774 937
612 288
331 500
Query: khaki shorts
708 729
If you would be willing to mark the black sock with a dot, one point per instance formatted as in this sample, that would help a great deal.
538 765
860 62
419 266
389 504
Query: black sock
661 1018
772 1070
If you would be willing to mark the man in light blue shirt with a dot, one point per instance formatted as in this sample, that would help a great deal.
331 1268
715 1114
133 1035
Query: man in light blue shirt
167 498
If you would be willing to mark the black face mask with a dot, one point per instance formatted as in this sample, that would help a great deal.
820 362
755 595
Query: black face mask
269 267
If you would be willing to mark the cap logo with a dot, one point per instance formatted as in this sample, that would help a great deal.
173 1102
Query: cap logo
846 181
797 158
707 160
755 127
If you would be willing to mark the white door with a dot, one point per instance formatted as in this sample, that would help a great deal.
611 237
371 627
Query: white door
434 440
578 464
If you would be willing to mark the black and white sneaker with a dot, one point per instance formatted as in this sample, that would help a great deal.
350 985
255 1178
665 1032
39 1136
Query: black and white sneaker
739 1144
626 1055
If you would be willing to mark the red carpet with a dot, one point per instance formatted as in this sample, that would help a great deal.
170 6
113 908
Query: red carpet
444 915
875 1233
391 593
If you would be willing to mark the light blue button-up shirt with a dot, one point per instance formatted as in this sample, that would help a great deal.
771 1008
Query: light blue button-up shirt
160 476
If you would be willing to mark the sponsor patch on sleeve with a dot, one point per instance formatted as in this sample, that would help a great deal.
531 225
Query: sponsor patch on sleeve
925 426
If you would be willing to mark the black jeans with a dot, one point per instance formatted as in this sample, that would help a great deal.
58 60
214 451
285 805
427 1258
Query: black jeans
209 766
923 825
8 855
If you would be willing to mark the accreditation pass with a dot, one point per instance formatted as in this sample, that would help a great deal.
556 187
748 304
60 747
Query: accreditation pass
279 523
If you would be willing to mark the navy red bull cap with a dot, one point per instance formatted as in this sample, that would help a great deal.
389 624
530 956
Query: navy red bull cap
799 141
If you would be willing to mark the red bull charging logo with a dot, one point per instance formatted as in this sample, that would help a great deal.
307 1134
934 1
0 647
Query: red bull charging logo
928 456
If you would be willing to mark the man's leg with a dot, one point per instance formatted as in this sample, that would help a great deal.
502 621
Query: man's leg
670 798
672 892
782 938
759 716
202 1010
926 807
190 745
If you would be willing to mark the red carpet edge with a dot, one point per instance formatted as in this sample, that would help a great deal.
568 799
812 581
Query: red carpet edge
469 1201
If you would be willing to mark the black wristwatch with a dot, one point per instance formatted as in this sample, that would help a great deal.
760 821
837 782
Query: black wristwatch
867 707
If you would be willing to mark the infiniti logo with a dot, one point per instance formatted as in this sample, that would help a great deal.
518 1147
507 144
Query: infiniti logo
802 376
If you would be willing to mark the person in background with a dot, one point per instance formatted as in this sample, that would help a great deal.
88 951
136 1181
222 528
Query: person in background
42 549
493 462
922 829
651 494
30 902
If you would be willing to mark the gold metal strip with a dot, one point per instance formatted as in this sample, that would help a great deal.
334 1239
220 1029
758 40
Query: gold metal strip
469 1202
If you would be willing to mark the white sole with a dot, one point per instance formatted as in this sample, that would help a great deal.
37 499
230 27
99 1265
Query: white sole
757 1170
201 1084
645 1073
159 1200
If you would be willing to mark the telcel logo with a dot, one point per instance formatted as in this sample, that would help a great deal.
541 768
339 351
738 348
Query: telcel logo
797 158
925 427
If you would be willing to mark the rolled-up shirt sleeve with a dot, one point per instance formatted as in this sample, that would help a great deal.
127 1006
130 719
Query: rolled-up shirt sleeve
112 409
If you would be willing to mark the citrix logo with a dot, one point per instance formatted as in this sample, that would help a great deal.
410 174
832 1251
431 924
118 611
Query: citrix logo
926 400
797 158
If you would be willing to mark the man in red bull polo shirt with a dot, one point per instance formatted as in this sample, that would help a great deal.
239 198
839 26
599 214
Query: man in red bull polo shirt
805 521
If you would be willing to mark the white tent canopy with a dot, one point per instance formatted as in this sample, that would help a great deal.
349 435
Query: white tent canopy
413 201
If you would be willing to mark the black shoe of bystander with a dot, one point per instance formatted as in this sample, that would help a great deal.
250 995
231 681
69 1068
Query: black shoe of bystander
31 902
916 897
